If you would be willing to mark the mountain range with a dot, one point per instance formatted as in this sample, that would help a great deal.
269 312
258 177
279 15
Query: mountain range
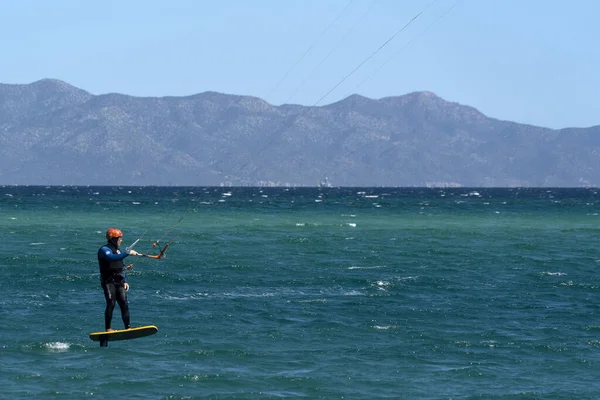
52 133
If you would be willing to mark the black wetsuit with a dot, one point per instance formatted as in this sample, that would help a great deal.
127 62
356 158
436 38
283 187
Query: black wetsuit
112 279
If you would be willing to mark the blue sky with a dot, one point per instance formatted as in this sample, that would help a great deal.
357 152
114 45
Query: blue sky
529 61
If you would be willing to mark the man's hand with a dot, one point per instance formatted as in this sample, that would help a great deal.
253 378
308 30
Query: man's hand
126 287
133 253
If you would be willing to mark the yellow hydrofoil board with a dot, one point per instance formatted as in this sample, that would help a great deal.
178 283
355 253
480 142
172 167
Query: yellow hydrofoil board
124 334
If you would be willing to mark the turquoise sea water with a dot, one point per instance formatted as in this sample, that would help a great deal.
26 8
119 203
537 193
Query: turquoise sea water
353 293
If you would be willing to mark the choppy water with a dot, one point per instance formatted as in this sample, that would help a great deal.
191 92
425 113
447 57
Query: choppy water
305 293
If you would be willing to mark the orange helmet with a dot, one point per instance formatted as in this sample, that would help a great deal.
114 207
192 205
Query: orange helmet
113 233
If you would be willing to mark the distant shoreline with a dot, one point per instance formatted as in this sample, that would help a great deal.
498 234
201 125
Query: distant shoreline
303 187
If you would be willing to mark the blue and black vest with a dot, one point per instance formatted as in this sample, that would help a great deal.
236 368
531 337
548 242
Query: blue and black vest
110 269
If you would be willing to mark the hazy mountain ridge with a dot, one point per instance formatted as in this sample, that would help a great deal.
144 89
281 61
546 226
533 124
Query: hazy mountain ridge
52 133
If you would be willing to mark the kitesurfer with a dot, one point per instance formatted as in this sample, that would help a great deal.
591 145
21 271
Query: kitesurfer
113 278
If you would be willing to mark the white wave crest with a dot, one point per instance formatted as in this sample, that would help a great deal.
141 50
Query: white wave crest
57 346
